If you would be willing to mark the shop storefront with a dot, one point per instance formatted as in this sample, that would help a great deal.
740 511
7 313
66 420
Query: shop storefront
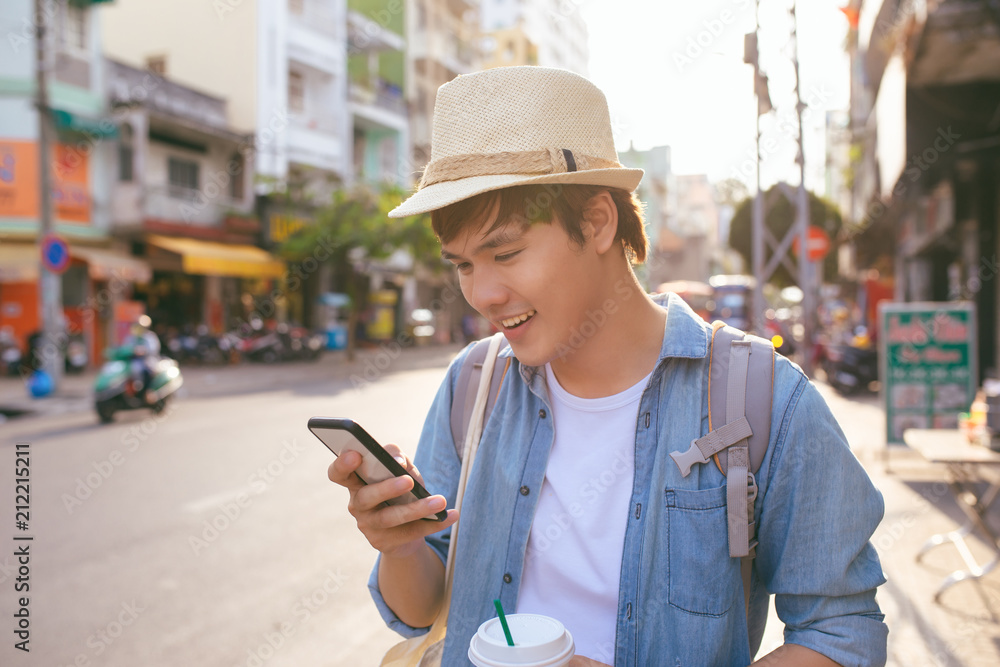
96 279
205 282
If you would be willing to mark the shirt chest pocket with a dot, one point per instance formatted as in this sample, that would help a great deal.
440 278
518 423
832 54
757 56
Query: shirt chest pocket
702 578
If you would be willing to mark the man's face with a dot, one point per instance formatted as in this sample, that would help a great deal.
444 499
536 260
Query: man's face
530 281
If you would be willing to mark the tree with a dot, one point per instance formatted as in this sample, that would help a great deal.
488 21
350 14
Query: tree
731 192
779 217
357 222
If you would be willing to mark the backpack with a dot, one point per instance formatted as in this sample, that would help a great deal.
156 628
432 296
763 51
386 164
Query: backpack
739 424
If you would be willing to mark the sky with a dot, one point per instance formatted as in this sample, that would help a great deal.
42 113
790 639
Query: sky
674 75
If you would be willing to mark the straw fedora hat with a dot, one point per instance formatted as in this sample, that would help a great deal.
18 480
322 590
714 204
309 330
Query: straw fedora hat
517 126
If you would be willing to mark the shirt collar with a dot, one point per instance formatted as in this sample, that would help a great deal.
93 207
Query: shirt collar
685 333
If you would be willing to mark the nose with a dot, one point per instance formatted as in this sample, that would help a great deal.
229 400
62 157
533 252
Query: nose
484 291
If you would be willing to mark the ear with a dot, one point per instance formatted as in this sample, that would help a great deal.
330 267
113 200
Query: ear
600 221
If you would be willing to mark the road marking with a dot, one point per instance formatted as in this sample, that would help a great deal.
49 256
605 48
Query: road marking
213 501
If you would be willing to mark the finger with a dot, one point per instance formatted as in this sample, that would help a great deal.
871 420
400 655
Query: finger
393 516
401 458
370 497
401 540
341 471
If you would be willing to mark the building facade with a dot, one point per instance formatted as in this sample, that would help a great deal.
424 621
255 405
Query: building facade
83 140
443 41
926 149
183 201
549 33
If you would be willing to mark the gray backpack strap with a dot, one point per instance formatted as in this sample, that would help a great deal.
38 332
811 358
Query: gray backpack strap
739 429
738 476
464 397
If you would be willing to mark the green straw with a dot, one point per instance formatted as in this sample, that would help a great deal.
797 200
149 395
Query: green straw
503 622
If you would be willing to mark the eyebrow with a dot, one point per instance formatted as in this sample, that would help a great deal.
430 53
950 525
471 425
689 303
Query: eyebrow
503 236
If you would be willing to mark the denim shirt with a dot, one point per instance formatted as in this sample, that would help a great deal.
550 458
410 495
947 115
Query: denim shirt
681 594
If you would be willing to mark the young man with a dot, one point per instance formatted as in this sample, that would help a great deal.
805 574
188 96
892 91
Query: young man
574 507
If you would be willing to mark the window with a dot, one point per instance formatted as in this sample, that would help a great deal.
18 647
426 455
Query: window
76 28
183 174
125 154
296 91
157 65
236 176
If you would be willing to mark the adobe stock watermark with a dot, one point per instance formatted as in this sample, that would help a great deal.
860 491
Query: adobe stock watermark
889 534
294 277
300 612
983 273
787 128
104 469
24 38
105 636
545 534
223 8
595 320
916 165
380 363
379 20
230 512
711 30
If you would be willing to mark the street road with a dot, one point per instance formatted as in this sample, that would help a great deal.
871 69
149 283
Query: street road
210 535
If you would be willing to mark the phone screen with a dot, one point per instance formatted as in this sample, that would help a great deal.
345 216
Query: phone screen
340 435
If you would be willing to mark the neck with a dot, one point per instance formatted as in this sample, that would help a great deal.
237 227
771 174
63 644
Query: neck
621 351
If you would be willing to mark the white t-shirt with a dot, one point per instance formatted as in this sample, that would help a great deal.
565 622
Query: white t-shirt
573 563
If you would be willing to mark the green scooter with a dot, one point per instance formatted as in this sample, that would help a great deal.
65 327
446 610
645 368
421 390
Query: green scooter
116 388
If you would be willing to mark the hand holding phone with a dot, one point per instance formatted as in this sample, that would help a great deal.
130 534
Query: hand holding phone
377 464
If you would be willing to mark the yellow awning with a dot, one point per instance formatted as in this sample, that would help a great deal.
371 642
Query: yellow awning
105 264
221 259
19 262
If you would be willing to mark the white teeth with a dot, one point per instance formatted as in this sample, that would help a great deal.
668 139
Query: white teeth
514 321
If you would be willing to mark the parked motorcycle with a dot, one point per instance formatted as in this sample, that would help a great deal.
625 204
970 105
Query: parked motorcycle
77 357
10 353
300 343
851 368
117 389
264 346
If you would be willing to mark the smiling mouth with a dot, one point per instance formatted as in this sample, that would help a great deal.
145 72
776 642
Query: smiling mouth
514 322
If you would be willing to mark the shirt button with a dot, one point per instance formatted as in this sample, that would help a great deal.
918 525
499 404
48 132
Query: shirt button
507 578
525 490
541 413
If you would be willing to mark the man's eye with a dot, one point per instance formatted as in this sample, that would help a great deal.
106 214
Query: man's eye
463 267
508 256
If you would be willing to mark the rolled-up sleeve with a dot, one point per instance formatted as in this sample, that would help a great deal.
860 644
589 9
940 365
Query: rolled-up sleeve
438 463
819 512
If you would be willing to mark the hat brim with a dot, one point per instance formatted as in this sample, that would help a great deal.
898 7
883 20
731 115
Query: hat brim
445 193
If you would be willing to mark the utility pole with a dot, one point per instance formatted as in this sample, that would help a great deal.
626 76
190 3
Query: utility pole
751 56
49 282
806 268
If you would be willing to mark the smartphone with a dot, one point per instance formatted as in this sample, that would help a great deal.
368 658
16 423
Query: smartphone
340 435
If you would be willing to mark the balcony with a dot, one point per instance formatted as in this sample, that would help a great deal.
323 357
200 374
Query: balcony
382 105
183 205
315 142
366 35
315 40
314 19
458 56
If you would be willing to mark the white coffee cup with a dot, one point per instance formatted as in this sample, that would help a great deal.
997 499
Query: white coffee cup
539 641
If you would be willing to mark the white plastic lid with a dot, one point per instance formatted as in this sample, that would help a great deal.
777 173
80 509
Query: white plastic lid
539 641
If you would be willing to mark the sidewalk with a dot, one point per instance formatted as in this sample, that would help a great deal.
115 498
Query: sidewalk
76 392
964 629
